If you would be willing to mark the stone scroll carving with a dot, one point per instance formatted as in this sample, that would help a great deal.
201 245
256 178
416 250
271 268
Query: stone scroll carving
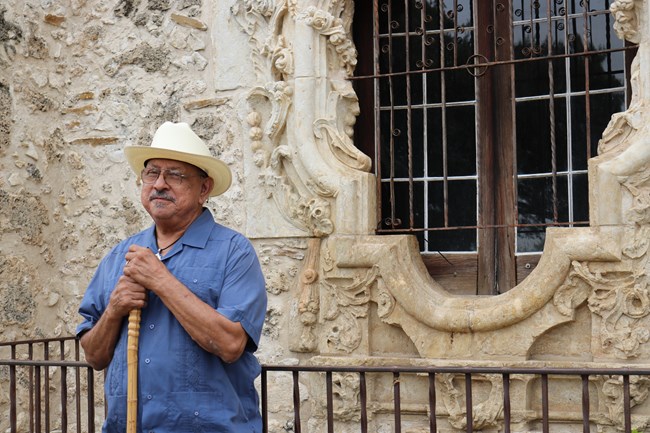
618 297
618 293
345 396
344 304
303 151
484 414
613 392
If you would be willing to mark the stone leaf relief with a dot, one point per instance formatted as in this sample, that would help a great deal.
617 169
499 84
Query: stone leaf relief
618 293
621 307
484 415
574 291
612 388
639 187
343 305
345 393
618 297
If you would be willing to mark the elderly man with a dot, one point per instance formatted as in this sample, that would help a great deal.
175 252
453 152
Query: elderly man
202 295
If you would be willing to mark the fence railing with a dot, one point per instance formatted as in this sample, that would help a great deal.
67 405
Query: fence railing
467 373
45 387
49 388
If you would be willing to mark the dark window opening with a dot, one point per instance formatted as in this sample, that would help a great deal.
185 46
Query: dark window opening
480 117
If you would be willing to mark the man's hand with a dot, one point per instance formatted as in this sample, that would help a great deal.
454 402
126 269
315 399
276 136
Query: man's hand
99 342
144 268
208 328
127 296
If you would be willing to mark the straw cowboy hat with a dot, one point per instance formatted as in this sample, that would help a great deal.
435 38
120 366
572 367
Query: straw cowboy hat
178 142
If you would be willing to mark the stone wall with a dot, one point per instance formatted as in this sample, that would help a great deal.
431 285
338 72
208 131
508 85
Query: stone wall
266 85
79 80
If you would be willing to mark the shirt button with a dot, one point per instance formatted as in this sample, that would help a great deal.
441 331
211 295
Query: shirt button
147 361
195 280
152 326
196 413
149 397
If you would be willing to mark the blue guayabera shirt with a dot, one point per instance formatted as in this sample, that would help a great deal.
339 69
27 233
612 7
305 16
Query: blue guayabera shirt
181 387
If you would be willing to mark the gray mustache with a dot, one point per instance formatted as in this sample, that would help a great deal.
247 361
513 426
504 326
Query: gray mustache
161 195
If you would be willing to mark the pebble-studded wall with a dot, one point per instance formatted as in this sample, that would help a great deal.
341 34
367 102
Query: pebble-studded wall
79 80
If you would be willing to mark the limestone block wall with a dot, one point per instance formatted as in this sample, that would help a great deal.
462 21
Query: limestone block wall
265 83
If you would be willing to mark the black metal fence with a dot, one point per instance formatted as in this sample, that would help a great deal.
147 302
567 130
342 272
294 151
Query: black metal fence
49 388
45 387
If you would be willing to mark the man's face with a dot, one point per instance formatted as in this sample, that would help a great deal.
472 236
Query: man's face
173 192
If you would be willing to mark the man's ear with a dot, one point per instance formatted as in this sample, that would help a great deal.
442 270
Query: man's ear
206 187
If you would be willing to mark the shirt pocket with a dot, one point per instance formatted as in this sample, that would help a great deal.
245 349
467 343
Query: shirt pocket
206 283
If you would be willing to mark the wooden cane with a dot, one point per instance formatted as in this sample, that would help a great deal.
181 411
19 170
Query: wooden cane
132 371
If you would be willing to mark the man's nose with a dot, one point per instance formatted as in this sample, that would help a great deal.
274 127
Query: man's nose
160 183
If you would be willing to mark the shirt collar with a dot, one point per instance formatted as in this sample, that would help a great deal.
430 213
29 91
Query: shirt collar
196 234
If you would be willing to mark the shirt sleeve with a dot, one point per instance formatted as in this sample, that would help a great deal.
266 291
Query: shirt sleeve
243 298
91 307
95 299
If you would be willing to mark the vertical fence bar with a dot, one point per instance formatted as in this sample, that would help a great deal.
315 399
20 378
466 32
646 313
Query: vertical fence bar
91 400
376 81
627 410
506 403
468 402
585 403
433 428
330 402
46 386
393 131
364 402
544 403
396 402
64 390
296 402
587 59
12 392
77 374
265 403
37 399
409 113
30 347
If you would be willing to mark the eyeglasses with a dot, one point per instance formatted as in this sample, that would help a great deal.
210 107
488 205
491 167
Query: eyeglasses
171 177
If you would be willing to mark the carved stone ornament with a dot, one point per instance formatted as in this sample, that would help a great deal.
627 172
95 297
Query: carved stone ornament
303 337
484 414
343 306
304 151
612 388
345 393
626 19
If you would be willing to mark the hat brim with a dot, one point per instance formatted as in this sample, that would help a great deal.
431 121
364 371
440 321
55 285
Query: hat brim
216 169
